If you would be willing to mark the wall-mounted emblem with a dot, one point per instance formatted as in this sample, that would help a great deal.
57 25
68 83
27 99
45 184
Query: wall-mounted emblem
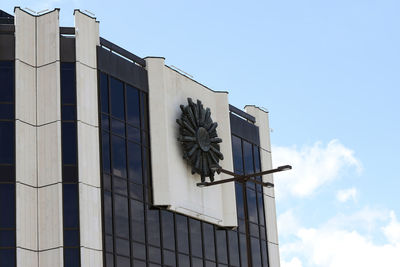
199 139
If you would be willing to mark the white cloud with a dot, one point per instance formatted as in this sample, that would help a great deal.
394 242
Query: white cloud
392 230
295 262
313 166
287 223
346 194
331 246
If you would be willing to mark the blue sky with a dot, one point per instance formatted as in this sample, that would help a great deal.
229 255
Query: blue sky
328 72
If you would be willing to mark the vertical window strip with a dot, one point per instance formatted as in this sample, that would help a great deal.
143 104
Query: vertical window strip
70 182
7 165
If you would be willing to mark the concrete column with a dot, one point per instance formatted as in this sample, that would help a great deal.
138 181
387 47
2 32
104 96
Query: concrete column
262 121
38 135
87 38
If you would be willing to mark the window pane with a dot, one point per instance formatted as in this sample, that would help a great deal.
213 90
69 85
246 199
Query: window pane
169 258
109 243
69 143
118 127
183 260
182 233
106 152
252 205
239 200
138 251
105 122
68 113
7 143
7 81
7 257
255 251
221 246
118 156
143 111
7 173
137 221
71 257
243 249
209 247
196 262
108 213
233 248
121 220
260 208
136 191
70 173
104 92
71 238
117 99
264 253
195 238
248 157
133 107
237 154
120 186
7 205
122 247
68 88
153 227
71 206
123 262
6 111
7 238
109 260
133 134
154 254
168 230
135 162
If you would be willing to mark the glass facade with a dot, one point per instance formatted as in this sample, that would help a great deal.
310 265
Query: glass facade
7 165
138 234
70 183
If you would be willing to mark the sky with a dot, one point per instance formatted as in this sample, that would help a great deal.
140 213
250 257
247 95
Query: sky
329 74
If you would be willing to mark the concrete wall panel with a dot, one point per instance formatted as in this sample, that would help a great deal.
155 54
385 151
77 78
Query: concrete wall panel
25 92
26 169
48 38
87 104
27 258
51 258
25 37
26 217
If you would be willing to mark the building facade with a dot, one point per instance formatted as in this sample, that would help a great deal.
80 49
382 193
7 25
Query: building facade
92 172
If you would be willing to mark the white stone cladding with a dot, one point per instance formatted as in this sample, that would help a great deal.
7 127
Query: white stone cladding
38 140
262 121
173 184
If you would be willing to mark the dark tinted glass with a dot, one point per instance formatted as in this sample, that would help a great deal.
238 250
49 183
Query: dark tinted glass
71 206
154 254
68 88
255 252
108 213
169 258
137 221
143 111
6 111
109 243
7 143
153 227
195 238
183 260
7 81
106 152
233 248
239 200
71 238
209 243
264 253
69 143
168 230
7 238
138 251
118 127
7 205
70 173
120 186
252 206
133 133
182 233
135 162
133 106
221 246
121 220
68 113
104 92
71 257
136 191
123 261
248 157
105 122
243 249
7 257
122 247
118 156
7 173
260 201
196 262
117 99
237 154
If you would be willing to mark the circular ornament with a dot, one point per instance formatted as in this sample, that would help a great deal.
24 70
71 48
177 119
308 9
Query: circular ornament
199 139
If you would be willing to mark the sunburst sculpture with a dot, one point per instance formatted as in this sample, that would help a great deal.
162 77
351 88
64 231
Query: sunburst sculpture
199 139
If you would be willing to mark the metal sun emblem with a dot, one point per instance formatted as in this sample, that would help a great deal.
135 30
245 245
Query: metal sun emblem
199 139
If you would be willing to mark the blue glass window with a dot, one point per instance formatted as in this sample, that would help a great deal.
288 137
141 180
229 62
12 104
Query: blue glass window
117 99
118 156
7 81
71 257
135 162
71 206
7 205
104 92
68 87
7 143
133 106
69 143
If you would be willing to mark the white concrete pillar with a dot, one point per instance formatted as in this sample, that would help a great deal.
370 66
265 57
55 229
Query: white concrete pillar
87 38
262 121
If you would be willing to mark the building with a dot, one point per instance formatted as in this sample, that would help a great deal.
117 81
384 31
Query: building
91 168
